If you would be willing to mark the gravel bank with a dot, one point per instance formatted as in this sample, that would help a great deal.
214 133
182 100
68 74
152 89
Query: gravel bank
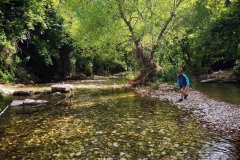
211 113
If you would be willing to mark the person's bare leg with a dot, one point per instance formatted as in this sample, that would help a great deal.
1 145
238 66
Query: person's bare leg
185 94
182 93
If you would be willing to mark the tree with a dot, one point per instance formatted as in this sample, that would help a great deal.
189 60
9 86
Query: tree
18 19
136 25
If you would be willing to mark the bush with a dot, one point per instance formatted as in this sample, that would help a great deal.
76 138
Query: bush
22 75
89 69
155 85
1 95
4 101
131 75
169 74
7 77
236 69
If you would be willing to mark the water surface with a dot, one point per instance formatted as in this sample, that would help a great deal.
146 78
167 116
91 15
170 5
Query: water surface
111 124
226 92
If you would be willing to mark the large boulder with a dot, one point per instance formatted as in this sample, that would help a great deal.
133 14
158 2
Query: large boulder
17 103
63 88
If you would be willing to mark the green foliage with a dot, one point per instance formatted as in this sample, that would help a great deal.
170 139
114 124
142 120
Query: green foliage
236 69
55 39
22 76
52 47
169 74
22 24
130 75
89 69
1 95
4 101
155 85
219 40
7 76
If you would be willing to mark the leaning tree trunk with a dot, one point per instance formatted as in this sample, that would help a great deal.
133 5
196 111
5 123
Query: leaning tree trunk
149 71
148 74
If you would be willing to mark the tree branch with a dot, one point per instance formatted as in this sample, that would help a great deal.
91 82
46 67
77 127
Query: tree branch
154 48
128 23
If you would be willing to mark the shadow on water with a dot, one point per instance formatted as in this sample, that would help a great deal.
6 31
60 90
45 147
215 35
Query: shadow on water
113 124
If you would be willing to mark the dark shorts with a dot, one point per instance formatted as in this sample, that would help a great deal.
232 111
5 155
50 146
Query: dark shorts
182 87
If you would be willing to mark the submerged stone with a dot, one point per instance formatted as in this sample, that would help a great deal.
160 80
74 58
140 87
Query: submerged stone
17 103
22 93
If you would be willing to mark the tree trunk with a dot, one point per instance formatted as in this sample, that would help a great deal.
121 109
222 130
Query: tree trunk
148 73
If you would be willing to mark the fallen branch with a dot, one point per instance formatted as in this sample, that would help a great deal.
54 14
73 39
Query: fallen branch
37 110
209 80
4 110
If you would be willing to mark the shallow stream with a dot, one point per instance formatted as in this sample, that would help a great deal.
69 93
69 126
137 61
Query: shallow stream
108 123
227 92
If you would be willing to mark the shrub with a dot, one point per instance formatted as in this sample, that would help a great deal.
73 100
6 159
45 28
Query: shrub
155 85
169 74
4 101
7 76
89 69
236 69
1 95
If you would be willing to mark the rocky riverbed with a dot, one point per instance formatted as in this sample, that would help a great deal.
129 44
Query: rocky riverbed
211 113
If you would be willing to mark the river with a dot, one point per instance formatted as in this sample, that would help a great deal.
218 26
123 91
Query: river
227 92
111 123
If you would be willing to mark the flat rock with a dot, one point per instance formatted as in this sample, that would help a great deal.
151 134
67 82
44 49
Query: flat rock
17 103
63 88
7 91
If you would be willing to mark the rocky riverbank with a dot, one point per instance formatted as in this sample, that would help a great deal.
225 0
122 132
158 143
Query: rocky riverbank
211 113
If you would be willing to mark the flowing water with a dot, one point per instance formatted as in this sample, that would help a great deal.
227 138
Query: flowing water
108 123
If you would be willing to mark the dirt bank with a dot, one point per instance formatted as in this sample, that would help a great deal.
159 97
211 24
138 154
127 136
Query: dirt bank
211 113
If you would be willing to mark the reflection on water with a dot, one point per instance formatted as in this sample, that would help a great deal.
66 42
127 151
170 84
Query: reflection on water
226 92
111 124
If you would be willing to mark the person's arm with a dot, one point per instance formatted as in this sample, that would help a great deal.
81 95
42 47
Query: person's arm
187 80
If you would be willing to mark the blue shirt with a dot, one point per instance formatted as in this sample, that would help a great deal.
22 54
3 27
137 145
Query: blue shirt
183 80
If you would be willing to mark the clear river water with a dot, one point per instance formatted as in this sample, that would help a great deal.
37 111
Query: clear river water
227 92
108 123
